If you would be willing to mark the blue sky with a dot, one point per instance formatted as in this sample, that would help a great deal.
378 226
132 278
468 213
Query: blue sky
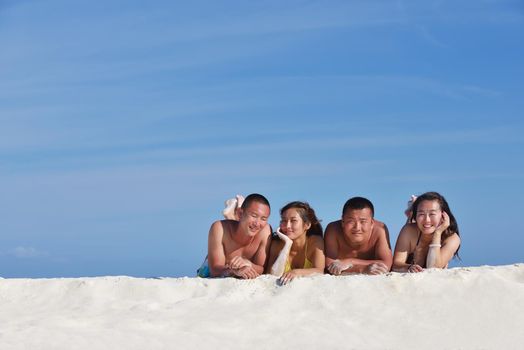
126 124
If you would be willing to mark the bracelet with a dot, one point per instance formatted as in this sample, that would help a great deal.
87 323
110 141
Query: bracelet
435 245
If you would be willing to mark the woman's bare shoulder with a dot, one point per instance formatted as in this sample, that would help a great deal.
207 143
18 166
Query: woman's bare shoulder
409 230
454 238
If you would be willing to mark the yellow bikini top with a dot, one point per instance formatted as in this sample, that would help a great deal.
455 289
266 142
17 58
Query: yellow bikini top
307 264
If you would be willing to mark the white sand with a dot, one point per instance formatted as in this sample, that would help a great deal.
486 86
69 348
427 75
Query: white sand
463 308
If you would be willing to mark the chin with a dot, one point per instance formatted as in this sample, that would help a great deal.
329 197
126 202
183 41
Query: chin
253 233
357 239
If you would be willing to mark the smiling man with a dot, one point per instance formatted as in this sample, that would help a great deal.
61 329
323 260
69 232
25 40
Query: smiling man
358 243
239 248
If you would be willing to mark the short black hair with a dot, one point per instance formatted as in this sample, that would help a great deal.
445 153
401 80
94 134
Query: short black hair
358 203
255 197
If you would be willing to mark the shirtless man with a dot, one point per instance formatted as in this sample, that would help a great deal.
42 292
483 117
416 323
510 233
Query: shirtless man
239 248
357 243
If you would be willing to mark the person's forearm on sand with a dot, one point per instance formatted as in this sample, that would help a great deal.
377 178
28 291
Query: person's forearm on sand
280 263
433 259
338 266
290 275
405 267
400 267
238 263
359 265
246 272
220 271
307 272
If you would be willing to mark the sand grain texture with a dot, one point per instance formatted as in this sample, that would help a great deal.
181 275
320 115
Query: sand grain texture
461 308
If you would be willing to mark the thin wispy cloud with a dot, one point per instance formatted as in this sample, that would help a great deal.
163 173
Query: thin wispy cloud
25 127
329 138
27 253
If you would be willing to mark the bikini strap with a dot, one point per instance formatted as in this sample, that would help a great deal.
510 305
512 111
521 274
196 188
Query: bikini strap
418 239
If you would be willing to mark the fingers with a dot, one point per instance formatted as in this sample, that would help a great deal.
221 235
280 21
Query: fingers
286 278
444 222
335 268
238 262
233 263
282 236
377 269
415 268
446 219
250 274
246 273
330 269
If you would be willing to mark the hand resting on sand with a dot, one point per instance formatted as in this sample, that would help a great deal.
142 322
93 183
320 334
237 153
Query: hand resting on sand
337 267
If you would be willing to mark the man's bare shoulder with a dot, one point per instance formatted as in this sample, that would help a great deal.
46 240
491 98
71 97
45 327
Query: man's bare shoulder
379 223
220 227
264 234
334 227
379 227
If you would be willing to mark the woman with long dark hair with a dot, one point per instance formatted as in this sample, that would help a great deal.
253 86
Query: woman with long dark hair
430 238
300 249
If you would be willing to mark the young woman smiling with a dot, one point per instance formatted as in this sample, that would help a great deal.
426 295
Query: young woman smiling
430 239
300 249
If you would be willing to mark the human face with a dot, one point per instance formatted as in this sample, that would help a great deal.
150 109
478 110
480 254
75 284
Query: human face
429 216
357 225
292 224
254 218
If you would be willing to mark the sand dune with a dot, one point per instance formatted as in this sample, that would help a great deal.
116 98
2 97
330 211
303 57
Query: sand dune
462 308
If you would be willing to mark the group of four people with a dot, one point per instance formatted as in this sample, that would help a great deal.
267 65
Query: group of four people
244 246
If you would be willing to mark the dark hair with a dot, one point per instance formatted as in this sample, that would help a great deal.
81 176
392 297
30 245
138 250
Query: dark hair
254 197
308 216
435 196
358 203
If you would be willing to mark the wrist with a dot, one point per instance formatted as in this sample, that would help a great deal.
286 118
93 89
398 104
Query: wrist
438 233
